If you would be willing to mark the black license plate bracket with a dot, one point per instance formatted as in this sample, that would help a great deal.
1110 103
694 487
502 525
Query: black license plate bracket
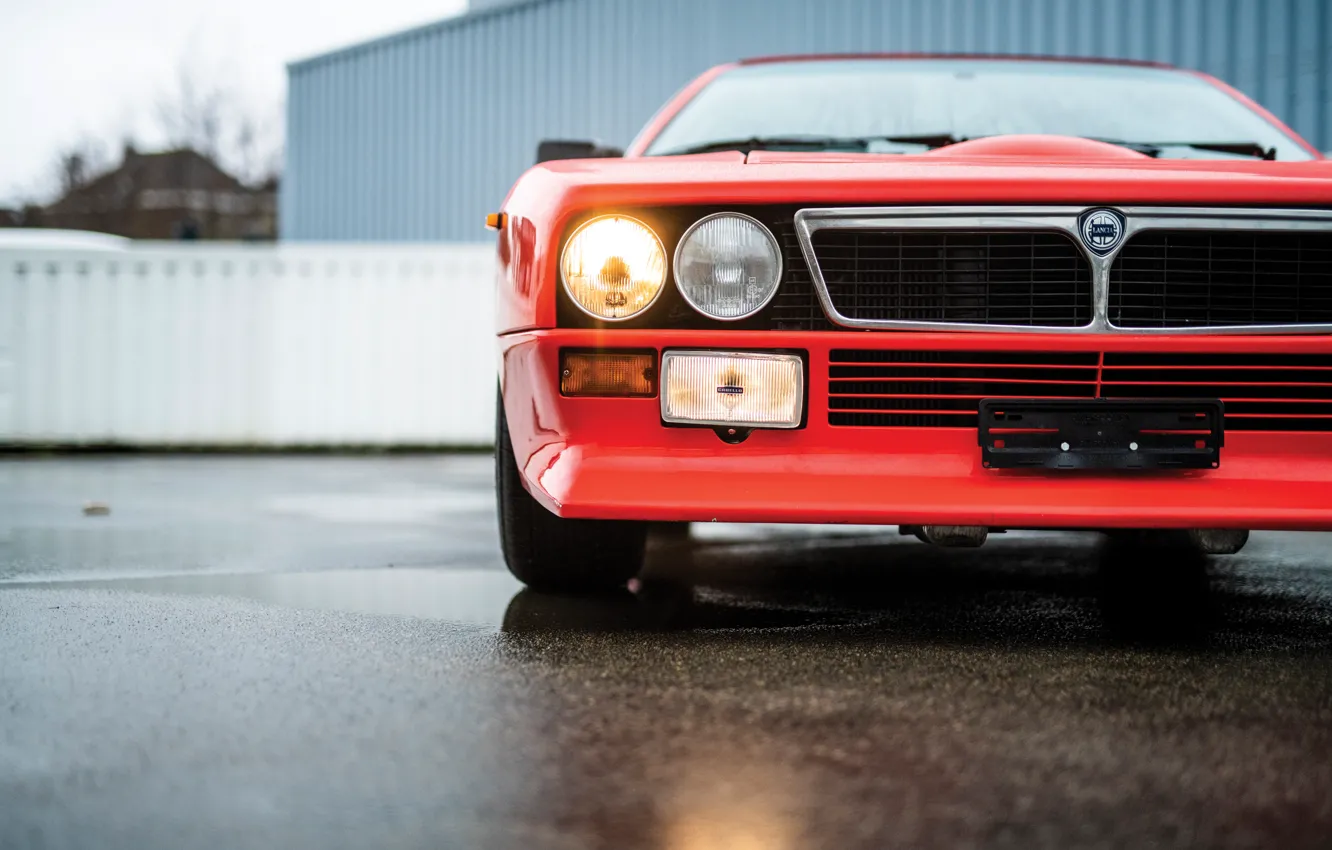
1101 433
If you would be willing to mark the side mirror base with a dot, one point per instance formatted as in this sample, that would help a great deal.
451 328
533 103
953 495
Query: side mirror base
549 150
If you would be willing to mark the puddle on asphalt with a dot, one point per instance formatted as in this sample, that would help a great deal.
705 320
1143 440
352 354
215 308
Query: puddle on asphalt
396 509
469 597
482 597
722 577
720 580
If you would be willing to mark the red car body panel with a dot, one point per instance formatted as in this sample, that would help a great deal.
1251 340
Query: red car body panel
612 458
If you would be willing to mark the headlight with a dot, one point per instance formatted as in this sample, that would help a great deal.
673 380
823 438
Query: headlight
750 389
613 267
728 266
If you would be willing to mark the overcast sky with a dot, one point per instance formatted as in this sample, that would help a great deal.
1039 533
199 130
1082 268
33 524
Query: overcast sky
98 68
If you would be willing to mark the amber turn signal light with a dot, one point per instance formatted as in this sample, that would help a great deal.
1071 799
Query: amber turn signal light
608 373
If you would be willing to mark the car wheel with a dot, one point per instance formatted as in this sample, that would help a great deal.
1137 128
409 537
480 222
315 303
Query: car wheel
670 531
553 554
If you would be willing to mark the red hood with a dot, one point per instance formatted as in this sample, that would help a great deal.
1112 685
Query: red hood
1002 170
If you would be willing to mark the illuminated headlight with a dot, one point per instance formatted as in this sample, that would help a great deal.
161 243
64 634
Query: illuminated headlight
613 267
728 265
732 388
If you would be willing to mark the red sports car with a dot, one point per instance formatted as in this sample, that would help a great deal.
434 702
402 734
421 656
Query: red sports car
954 293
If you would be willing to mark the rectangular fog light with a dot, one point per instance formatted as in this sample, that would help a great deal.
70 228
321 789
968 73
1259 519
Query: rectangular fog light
608 373
738 388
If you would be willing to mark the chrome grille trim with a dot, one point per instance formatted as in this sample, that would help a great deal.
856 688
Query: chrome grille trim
1061 219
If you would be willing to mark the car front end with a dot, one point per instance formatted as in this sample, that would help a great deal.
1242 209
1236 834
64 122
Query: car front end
1015 332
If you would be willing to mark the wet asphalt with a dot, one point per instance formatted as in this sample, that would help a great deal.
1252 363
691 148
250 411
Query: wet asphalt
326 652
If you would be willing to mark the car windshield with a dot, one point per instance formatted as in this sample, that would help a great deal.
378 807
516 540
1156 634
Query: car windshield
872 104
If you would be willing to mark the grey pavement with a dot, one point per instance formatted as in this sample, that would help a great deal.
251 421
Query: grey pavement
327 652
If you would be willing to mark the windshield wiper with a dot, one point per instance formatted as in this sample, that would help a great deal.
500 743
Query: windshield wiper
814 143
1154 149
860 144
929 140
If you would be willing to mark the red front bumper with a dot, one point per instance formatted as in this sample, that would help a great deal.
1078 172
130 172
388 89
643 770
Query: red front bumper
611 458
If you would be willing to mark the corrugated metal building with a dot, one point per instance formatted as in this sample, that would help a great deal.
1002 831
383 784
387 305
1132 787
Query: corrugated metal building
417 135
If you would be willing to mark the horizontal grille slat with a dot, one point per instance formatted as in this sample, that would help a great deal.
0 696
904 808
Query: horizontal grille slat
1017 360
1262 392
1189 384
1207 278
941 389
979 387
961 372
1021 278
934 389
1238 392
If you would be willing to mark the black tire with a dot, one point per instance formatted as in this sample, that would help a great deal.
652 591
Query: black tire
1154 586
553 554
673 532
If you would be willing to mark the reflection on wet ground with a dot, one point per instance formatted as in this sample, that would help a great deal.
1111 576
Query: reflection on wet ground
189 515
415 536
1074 590
757 687
1059 588
470 597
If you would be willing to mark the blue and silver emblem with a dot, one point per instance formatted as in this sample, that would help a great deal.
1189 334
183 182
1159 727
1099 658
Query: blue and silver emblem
1102 230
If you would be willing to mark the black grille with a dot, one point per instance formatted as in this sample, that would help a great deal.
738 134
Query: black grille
942 389
1000 278
795 307
1182 278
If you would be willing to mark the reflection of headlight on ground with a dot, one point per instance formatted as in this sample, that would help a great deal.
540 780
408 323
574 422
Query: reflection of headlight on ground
732 829
731 803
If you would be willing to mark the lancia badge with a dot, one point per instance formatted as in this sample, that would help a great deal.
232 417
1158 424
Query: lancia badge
1102 230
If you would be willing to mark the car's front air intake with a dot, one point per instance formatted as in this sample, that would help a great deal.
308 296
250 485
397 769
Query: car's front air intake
1020 278
1262 392
1210 278
942 389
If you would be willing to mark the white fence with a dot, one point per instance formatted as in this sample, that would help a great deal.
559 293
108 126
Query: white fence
307 345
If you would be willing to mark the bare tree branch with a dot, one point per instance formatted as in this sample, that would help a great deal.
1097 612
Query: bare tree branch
194 114
209 118
78 164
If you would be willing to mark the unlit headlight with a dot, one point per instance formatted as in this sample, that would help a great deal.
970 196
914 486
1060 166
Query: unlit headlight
728 265
732 388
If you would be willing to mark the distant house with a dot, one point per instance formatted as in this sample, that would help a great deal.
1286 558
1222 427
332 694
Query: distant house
178 194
